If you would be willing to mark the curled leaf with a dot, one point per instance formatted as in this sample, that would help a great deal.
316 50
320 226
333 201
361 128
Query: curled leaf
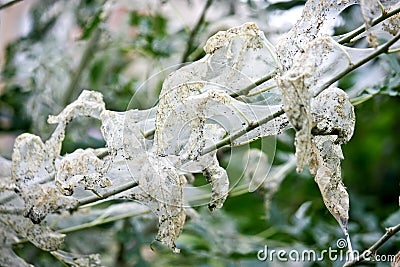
161 189
321 59
333 116
218 178
41 200
325 166
38 234
392 24
317 20
89 103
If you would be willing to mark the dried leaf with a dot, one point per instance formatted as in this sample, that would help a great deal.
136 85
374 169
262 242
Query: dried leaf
83 167
89 103
30 159
38 234
296 97
333 114
218 178
321 59
31 162
235 59
160 185
392 24
34 161
324 164
41 200
370 10
161 189
191 98
316 21
334 120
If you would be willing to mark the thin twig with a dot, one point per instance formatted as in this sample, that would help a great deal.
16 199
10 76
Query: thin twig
97 222
8 4
228 140
246 90
107 194
85 59
266 89
195 31
391 231
349 36
383 49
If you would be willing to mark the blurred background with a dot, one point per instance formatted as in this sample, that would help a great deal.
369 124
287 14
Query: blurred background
52 50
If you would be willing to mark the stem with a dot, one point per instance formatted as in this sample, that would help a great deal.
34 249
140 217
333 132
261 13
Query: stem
391 231
266 89
348 38
100 153
3 6
383 49
85 59
228 140
246 90
107 194
195 31
97 222
397 50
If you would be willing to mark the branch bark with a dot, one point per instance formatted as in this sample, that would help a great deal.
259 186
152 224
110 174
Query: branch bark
391 231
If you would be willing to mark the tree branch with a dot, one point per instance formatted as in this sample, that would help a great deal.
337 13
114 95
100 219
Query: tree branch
101 221
349 36
107 194
8 4
391 231
195 31
228 140
246 90
383 49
